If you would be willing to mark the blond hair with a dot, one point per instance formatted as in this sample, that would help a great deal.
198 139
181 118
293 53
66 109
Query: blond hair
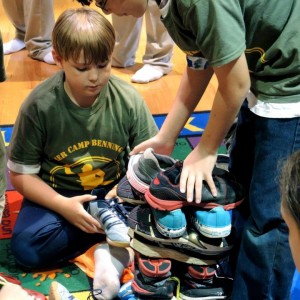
83 30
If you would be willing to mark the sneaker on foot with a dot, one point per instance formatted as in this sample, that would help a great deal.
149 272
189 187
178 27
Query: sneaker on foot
59 292
13 46
126 292
147 73
164 192
214 223
170 223
112 218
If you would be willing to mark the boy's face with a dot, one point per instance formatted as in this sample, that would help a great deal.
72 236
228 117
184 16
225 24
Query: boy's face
85 82
294 235
135 8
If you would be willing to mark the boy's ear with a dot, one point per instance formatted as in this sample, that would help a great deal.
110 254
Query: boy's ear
56 58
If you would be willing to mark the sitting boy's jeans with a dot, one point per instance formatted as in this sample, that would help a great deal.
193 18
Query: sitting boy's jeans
42 238
265 266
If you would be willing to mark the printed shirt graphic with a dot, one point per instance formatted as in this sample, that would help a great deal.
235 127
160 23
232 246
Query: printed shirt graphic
267 31
80 148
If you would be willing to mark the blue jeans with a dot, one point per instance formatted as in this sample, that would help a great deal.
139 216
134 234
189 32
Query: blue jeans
44 239
265 266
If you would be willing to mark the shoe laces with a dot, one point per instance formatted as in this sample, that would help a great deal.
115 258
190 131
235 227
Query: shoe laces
93 293
177 291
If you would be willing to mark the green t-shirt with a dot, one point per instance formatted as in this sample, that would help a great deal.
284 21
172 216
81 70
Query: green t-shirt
80 148
2 146
266 30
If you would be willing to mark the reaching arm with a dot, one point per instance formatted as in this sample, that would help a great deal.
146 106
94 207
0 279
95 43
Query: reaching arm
234 84
35 189
192 86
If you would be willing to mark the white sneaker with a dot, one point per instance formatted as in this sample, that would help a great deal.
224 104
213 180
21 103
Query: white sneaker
48 58
59 292
13 46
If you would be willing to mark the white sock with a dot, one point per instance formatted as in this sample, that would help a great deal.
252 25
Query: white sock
147 73
48 58
109 265
13 46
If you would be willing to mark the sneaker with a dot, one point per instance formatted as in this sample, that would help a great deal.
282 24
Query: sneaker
202 283
59 292
170 223
126 292
215 223
143 168
112 218
152 278
140 222
127 193
164 192
156 250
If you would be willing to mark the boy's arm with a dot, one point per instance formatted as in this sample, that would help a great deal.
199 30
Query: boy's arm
34 188
192 86
234 84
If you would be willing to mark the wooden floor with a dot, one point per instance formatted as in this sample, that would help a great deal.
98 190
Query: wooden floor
24 73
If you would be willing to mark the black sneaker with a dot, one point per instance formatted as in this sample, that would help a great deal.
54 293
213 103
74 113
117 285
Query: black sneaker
127 193
164 192
152 278
201 282
140 222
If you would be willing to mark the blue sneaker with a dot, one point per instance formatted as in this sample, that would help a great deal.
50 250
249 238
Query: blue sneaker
214 223
170 224
126 292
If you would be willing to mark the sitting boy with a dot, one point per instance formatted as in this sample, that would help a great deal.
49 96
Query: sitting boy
72 135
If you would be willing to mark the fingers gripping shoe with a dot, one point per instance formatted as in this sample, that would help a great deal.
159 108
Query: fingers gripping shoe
214 223
170 223
112 218
143 168
164 192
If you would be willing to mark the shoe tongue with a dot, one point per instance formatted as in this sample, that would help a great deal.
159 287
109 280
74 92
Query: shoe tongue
174 173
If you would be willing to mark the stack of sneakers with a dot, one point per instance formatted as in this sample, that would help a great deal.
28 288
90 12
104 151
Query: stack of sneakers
164 224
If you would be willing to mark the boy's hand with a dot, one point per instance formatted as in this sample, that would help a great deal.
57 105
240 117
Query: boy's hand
74 212
197 167
161 146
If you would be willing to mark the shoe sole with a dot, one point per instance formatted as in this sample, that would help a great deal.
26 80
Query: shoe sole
118 243
213 232
155 251
176 204
134 181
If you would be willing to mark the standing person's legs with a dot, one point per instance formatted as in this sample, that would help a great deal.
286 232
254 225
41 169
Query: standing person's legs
14 9
159 48
39 22
128 31
265 266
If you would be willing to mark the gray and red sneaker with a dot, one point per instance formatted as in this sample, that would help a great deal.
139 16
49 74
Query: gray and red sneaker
164 192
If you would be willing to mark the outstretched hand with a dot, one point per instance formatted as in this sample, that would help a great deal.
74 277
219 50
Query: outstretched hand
158 144
74 212
197 167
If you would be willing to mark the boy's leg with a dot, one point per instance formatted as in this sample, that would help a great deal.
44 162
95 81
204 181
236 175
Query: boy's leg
110 263
42 238
39 22
14 10
264 251
128 31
